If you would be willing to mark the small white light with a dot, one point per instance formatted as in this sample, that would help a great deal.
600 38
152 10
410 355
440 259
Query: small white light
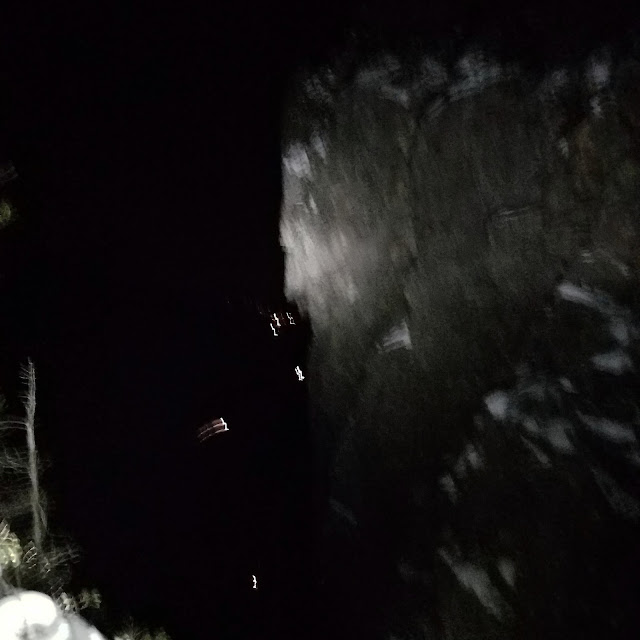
212 429
255 582
299 372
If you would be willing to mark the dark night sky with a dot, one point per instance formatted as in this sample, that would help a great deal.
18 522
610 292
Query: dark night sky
147 143
148 150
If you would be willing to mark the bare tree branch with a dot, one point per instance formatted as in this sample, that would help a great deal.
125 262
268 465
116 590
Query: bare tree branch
12 461
38 524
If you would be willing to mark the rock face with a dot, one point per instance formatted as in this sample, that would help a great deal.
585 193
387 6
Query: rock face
430 211
544 501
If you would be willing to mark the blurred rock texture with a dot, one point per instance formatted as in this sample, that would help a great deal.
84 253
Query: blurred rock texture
437 219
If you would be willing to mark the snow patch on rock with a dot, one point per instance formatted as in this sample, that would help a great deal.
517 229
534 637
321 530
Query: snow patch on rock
398 337
507 570
296 162
616 362
498 404
476 580
476 72
616 432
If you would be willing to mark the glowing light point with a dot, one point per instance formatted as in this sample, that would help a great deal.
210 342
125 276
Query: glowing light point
255 582
275 333
212 428
299 372
276 319
290 317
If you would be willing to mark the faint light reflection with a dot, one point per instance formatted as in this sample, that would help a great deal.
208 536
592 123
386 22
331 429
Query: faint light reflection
299 372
